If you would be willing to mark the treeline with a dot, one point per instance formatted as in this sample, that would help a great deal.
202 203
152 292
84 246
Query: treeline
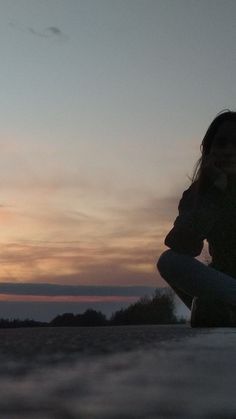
158 309
88 318
13 323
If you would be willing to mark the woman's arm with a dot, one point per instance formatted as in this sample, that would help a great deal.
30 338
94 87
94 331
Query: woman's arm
195 221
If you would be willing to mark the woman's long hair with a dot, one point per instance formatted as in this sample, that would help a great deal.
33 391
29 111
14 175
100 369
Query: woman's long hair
201 182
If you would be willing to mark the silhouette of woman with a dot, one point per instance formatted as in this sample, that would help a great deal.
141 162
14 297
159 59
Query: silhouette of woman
207 210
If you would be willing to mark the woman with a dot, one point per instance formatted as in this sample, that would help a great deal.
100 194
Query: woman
207 210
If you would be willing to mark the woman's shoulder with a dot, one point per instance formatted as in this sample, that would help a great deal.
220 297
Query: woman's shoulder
194 197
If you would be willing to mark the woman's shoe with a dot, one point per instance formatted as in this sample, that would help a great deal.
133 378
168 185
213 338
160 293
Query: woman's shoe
206 312
232 310
198 313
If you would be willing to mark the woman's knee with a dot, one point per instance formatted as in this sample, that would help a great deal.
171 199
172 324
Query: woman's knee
164 261
170 260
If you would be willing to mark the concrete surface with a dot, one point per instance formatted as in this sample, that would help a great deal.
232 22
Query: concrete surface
166 371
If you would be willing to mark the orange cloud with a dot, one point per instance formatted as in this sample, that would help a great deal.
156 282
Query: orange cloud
68 298
119 245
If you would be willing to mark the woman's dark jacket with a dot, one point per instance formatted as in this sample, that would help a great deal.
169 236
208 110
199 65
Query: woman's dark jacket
213 219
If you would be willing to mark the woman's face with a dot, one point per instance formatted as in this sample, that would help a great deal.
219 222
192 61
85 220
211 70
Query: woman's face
224 147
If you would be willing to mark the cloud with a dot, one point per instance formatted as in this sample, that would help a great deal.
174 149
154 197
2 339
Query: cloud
120 246
79 263
44 289
55 31
87 236
48 32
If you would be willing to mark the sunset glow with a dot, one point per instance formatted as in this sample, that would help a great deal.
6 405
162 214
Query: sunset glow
102 120
67 298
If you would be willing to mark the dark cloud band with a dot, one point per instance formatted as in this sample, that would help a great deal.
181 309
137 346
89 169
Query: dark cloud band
73 290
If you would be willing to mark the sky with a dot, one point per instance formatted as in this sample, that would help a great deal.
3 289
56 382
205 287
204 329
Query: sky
104 105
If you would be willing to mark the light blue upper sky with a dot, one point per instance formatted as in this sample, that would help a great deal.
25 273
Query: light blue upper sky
128 87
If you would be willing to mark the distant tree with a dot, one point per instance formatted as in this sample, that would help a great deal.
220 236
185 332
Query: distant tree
14 323
89 318
66 319
119 317
93 318
156 310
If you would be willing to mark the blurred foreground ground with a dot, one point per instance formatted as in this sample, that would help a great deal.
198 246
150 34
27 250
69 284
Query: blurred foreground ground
131 372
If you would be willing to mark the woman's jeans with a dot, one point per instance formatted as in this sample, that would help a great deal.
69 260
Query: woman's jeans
188 278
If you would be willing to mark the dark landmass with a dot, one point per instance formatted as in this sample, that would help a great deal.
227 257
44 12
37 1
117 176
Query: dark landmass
13 323
158 309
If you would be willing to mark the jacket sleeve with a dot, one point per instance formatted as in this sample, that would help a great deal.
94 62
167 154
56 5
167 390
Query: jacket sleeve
193 223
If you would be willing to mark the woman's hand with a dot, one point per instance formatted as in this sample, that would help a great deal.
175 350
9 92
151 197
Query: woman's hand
212 170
